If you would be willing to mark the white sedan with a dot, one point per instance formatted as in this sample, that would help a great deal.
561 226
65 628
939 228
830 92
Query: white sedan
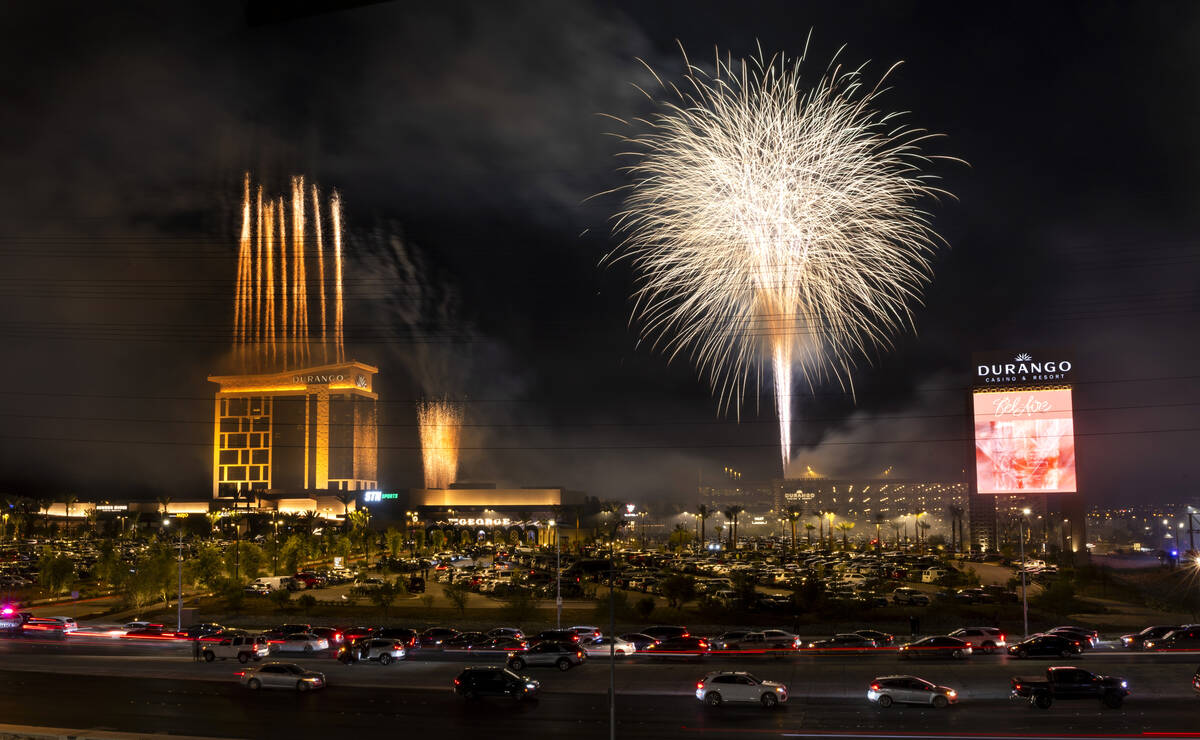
300 642
722 687
599 648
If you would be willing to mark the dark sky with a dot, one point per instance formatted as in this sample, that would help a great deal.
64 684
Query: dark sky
471 130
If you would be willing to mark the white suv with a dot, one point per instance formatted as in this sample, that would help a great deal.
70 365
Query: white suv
242 647
720 687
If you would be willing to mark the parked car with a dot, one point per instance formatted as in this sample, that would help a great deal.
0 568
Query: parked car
1136 641
1046 646
500 645
555 636
409 637
332 635
300 642
942 646
888 690
463 640
639 640
665 632
281 676
563 655
477 682
600 647
905 596
586 633
506 632
436 636
983 639
203 629
1083 637
242 647
1068 682
721 687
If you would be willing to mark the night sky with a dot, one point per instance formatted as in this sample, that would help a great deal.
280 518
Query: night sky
471 133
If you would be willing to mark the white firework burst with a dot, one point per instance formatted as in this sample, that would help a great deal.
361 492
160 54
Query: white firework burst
775 227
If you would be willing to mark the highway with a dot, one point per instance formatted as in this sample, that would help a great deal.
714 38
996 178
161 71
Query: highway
155 687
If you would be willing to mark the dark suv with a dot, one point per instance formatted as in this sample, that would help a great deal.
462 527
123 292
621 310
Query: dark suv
478 682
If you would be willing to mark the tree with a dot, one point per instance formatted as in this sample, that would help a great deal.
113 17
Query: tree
704 512
844 528
955 511
879 518
140 588
293 553
808 530
214 518
678 589
680 538
395 541
458 593
56 573
737 511
793 514
437 540
280 598
644 607
206 566
249 558
307 602
69 502
346 498
164 505
385 595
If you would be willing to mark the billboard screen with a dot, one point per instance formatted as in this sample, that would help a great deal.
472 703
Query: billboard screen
1024 442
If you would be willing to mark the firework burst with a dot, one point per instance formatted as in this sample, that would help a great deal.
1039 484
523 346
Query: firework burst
440 423
774 225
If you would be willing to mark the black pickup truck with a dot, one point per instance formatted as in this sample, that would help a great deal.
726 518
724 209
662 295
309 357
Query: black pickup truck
1066 683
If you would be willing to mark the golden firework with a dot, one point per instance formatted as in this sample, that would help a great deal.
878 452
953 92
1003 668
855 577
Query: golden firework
440 422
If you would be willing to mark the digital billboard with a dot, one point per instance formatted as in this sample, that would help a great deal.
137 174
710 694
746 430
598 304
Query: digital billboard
1024 441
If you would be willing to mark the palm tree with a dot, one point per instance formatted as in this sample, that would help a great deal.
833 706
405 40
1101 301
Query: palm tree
793 514
728 514
164 503
310 519
821 527
346 498
879 518
924 526
808 528
952 511
704 512
737 510
69 500
845 527
214 518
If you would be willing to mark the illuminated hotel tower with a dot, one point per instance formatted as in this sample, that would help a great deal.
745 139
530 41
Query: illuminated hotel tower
301 418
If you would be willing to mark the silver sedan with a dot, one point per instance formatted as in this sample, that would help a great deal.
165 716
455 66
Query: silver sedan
281 676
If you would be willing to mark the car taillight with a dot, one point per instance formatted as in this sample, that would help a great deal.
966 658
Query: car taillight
699 684
874 687
397 646
240 673
457 682
1003 637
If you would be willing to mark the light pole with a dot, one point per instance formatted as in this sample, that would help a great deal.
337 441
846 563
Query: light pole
179 557
1024 589
557 576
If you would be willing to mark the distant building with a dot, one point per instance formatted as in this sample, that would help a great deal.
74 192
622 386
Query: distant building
300 432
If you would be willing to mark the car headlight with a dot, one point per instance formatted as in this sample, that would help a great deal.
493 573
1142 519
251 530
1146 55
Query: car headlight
531 686
779 690
1124 684
951 693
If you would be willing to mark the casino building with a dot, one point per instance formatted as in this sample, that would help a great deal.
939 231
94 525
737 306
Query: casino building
296 433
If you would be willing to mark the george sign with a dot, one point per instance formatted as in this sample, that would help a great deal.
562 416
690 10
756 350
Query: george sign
112 507
999 369
481 522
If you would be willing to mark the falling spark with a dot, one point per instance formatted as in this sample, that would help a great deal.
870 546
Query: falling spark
320 270
336 219
258 327
440 423
774 225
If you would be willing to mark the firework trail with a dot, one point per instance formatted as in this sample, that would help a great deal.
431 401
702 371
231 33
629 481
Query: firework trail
440 423
258 325
774 226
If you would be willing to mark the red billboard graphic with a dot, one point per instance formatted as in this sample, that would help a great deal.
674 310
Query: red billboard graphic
1024 442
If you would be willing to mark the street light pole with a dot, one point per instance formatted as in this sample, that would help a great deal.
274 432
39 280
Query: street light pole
1024 590
557 576
179 559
